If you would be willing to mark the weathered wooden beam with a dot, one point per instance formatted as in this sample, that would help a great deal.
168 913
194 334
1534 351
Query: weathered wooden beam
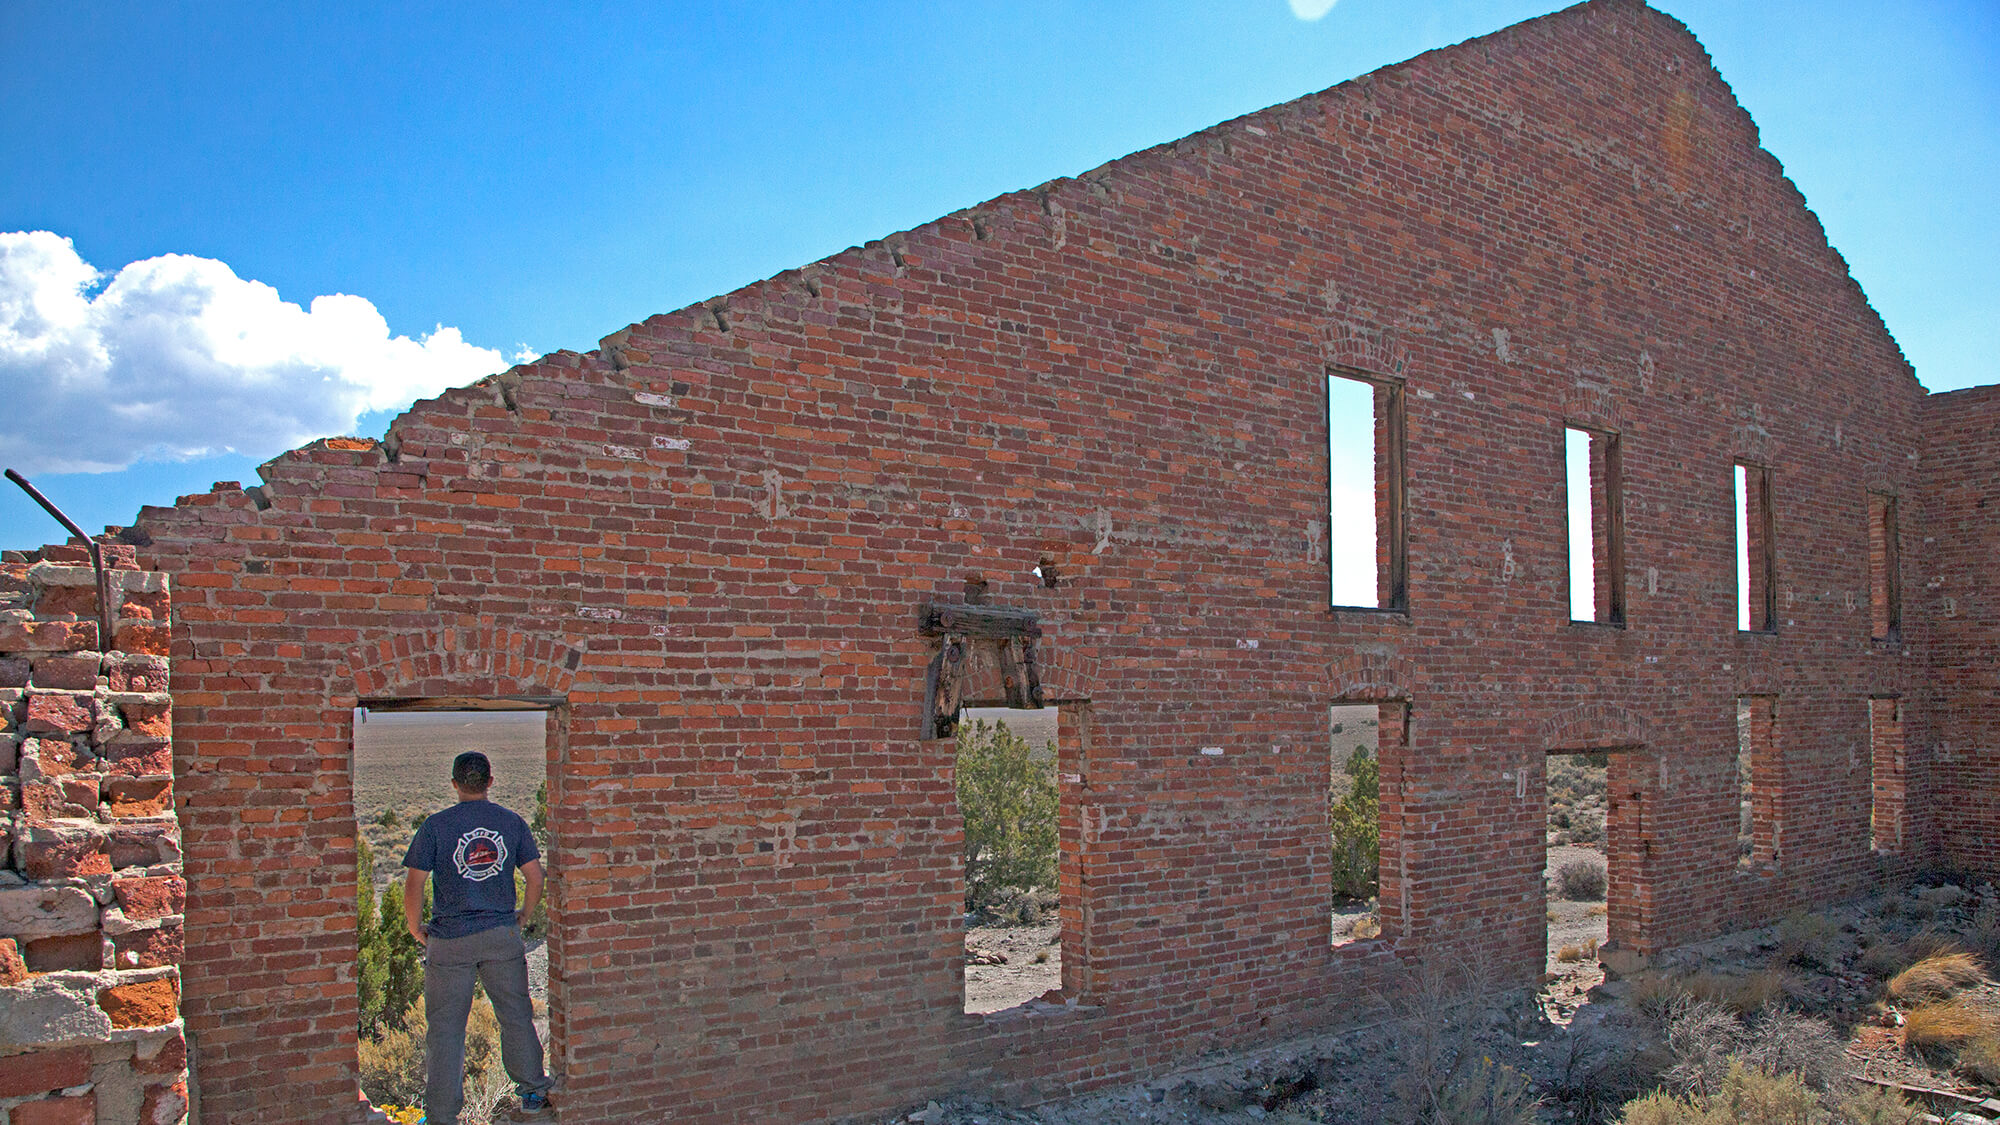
467 703
937 619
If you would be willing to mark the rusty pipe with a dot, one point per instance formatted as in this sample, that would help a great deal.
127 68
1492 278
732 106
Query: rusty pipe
104 638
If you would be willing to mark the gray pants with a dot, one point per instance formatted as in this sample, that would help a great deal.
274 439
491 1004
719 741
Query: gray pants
497 959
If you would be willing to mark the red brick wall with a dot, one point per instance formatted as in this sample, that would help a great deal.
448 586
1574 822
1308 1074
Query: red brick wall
90 872
1958 615
710 539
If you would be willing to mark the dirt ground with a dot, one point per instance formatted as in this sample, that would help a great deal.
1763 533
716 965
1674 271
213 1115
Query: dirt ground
1580 1046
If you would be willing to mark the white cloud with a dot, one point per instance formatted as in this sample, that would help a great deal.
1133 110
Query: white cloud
1310 10
177 357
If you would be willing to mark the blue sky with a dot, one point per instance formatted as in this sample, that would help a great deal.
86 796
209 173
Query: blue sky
520 182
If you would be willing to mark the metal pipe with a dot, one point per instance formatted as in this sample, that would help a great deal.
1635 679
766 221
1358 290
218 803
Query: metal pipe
104 638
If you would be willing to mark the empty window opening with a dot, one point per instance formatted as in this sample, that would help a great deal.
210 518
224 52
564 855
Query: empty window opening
1010 799
1366 747
402 775
1594 486
1758 776
1886 764
1576 869
1367 538
1885 595
1756 561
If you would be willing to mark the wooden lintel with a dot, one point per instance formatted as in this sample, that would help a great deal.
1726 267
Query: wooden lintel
467 703
937 619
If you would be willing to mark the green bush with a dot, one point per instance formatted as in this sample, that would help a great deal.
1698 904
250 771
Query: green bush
389 966
1007 796
1357 827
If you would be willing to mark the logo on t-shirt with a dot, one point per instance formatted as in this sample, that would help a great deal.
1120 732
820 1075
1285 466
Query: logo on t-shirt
481 855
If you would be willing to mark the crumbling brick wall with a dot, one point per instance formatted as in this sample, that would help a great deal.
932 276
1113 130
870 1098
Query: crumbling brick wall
1102 401
90 874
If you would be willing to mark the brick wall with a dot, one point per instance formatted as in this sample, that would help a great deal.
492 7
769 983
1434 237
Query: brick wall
709 539
90 871
1960 619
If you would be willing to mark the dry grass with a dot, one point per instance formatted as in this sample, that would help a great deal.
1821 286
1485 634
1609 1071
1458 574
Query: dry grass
1948 1024
1981 1059
1939 974
1582 952
1657 994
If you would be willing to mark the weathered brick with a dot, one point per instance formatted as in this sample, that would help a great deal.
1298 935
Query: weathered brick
164 1104
56 713
142 637
13 672
77 673
142 1003
42 1072
130 797
80 1109
146 949
139 757
153 720
13 970
50 852
83 952
150 896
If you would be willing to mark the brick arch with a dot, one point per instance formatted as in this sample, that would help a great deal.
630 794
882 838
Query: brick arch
1366 677
1592 403
1367 349
1594 726
485 660
1067 676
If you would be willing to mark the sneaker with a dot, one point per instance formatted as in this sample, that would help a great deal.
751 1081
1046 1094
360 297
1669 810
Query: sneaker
533 1107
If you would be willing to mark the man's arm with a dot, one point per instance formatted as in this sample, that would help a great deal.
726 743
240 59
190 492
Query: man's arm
531 890
413 902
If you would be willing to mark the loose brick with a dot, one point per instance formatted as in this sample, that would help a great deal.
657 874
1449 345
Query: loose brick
130 797
13 970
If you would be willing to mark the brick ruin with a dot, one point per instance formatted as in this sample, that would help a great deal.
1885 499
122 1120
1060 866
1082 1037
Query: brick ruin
1085 425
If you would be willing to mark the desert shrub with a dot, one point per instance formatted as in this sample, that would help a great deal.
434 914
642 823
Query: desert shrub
1810 940
389 965
1008 799
1581 880
1593 1073
1357 829
1781 1041
1939 974
392 1063
1748 1096
1486 1093
1947 1024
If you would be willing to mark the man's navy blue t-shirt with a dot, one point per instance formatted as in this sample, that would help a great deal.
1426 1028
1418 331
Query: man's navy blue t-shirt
471 850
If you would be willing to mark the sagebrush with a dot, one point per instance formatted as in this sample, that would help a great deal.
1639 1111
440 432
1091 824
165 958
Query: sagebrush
1008 798
1354 810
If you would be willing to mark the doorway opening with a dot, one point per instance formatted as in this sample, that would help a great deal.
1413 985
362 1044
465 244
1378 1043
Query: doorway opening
403 751
1576 870
1010 799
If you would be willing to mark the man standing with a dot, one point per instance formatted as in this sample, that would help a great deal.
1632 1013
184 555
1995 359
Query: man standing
471 851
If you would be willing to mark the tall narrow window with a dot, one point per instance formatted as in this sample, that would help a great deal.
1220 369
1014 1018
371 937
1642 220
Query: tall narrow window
1756 562
1364 804
1594 484
1886 763
1885 595
1367 540
1759 778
